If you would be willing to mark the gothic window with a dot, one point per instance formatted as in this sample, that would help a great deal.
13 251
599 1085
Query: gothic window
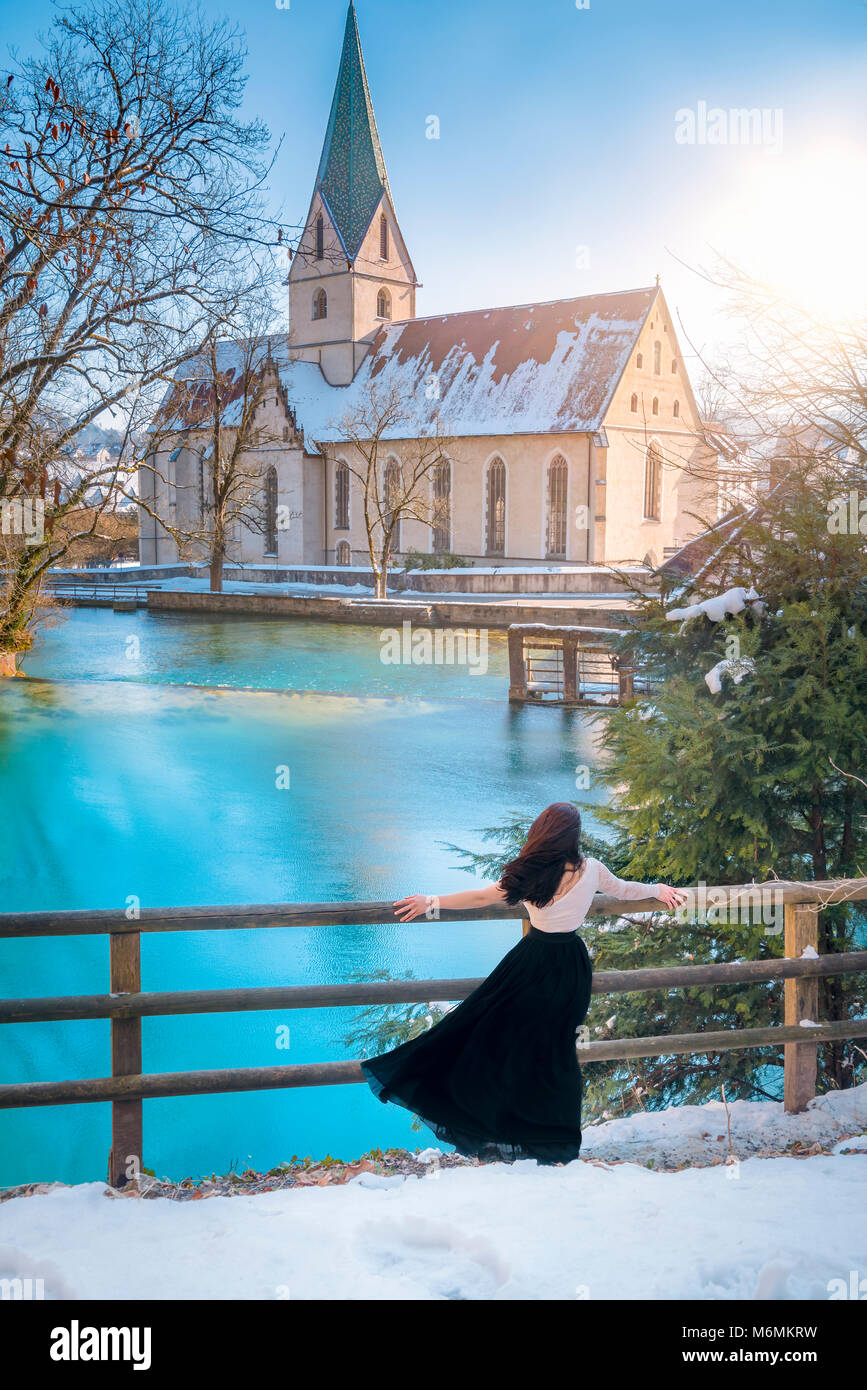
344 553
633 404
655 406
674 364
495 518
558 478
341 497
391 499
442 508
383 238
271 512
657 358
677 410
383 305
652 483
320 305
320 238
639 360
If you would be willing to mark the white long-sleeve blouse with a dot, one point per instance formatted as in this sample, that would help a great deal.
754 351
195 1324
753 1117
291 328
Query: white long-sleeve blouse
567 913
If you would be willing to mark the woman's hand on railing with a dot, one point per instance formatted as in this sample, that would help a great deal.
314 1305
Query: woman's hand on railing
419 905
672 897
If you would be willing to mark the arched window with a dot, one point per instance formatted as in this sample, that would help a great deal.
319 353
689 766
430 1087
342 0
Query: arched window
653 483
558 482
344 553
677 410
495 517
383 305
673 365
633 404
441 538
639 360
320 238
271 512
391 499
655 406
341 497
383 238
657 358
320 305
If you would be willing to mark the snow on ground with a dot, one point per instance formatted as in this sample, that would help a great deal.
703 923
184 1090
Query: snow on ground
767 1228
699 1133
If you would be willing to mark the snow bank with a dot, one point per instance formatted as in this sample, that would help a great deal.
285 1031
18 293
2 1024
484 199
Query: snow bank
698 1133
778 1228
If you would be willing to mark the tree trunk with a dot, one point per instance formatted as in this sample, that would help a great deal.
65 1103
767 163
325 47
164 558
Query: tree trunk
218 555
20 600
381 573
8 664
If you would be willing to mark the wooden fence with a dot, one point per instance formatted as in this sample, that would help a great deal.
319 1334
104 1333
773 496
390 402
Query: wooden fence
126 1005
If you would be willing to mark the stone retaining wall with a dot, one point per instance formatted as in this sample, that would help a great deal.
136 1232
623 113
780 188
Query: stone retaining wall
586 579
388 613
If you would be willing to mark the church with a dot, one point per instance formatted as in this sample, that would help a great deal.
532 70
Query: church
571 435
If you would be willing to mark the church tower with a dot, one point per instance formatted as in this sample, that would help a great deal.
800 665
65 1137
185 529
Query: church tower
351 272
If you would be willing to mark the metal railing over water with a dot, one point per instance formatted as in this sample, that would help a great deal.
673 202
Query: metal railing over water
128 1086
568 666
77 591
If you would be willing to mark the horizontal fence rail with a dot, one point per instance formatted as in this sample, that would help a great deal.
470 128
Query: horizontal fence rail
128 1086
161 1085
738 897
64 1008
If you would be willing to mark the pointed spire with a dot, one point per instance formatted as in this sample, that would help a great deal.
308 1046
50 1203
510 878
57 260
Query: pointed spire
352 173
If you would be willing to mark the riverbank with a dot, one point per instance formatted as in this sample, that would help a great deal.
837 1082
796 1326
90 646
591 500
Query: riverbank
425 1225
549 580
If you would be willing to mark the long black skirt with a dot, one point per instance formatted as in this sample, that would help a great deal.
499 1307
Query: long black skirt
498 1077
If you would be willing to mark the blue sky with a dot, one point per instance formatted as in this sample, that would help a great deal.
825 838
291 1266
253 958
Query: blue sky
557 133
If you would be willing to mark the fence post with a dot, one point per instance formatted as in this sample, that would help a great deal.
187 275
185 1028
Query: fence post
517 669
801 1001
625 683
125 1159
570 668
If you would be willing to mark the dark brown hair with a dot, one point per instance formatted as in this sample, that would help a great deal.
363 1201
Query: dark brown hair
554 840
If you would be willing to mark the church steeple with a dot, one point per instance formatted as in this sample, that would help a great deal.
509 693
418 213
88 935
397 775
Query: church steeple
352 271
352 176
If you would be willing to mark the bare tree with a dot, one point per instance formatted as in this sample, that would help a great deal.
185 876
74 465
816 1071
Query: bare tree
793 392
392 449
129 217
219 411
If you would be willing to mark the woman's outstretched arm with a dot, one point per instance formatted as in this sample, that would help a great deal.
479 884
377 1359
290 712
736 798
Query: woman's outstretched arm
607 882
420 905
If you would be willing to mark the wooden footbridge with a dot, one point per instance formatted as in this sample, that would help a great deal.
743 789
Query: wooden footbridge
126 1005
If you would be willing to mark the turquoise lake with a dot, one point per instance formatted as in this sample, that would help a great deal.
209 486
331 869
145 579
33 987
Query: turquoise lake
140 758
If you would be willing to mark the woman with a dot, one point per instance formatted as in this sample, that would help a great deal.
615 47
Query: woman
498 1077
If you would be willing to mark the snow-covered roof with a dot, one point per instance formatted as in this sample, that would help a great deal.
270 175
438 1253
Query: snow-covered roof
526 369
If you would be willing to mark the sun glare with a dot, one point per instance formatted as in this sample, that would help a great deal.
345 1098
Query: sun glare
798 224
